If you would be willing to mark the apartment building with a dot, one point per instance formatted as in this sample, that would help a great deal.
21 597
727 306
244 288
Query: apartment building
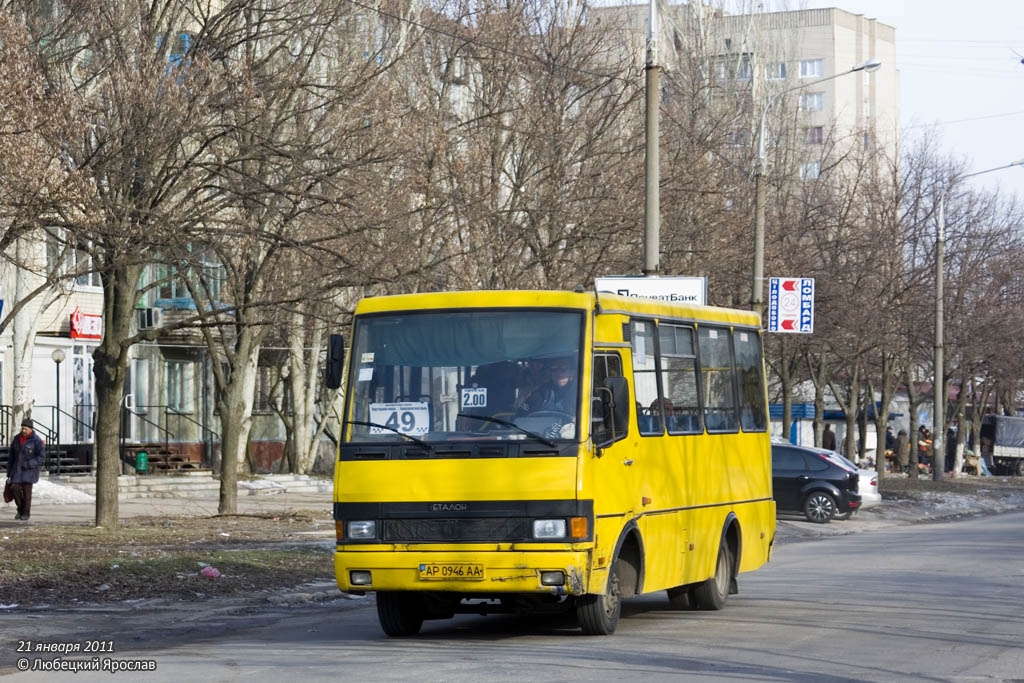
775 52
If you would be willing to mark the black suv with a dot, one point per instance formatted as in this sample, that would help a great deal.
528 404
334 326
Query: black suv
806 480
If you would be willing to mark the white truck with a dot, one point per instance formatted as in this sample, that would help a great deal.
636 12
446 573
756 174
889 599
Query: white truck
1002 443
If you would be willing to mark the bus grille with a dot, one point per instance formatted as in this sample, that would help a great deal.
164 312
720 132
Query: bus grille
456 530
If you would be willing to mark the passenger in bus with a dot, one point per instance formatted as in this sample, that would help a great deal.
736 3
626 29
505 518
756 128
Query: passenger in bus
657 413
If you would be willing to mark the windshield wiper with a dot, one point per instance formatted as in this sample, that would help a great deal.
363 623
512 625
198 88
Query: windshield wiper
513 425
393 429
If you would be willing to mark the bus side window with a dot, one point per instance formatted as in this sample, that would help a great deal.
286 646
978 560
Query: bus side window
749 371
607 365
679 379
717 374
645 378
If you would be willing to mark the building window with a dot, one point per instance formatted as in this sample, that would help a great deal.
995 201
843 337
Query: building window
721 71
812 101
744 70
63 259
775 71
737 138
814 135
810 170
178 381
268 389
810 68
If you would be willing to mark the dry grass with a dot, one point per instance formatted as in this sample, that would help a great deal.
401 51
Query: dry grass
901 487
160 557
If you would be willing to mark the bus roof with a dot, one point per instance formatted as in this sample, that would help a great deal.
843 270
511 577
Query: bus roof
609 303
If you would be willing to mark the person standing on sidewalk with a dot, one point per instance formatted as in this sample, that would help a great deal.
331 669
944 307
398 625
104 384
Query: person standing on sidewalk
24 460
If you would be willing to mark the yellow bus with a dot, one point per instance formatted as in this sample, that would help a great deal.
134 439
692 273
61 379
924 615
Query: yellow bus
523 451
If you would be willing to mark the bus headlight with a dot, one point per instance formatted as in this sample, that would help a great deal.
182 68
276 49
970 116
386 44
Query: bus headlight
362 530
549 528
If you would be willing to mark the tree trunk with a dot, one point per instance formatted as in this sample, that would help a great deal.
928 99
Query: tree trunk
862 434
819 379
110 367
23 340
236 417
958 457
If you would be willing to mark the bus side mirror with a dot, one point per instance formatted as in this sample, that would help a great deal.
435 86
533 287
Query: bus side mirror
335 361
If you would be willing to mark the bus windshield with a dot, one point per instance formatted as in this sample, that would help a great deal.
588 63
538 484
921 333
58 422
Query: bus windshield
453 375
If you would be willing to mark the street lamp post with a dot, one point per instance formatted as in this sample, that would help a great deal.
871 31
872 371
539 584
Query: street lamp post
757 282
939 386
58 358
652 177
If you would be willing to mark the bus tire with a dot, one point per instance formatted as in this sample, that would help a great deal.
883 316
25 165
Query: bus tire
599 614
712 594
400 613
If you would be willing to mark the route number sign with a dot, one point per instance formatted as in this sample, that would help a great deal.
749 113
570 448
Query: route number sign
409 417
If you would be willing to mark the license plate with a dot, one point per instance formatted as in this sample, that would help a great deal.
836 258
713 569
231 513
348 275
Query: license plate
465 572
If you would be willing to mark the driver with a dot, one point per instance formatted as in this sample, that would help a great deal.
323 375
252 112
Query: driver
558 393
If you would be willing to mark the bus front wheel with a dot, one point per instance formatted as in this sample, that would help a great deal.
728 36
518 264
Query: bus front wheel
712 593
599 614
400 614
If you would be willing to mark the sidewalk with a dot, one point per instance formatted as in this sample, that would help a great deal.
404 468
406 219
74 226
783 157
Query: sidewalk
186 502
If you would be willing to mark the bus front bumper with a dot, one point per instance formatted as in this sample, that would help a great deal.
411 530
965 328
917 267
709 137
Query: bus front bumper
479 572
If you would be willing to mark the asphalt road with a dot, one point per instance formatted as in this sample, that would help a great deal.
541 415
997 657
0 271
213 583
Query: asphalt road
940 602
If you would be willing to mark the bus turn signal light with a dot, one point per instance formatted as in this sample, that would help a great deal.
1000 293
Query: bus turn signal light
578 527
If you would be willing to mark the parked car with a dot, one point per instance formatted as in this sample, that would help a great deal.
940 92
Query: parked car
810 481
867 484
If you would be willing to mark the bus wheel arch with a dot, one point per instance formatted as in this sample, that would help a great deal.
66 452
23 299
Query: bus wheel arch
598 613
732 536
629 553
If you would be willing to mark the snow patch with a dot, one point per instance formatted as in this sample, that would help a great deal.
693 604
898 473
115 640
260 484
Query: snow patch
55 494
258 484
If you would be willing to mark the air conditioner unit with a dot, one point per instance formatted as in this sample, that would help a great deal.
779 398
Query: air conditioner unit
149 317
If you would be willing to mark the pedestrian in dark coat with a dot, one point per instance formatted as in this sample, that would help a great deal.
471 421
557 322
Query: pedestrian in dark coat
24 460
902 450
828 438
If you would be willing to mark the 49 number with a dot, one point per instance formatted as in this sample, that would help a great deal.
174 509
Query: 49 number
403 421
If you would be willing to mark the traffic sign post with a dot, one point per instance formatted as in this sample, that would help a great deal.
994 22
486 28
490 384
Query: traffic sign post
791 305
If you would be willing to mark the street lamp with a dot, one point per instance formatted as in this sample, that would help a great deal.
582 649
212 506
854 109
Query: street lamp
939 387
757 283
58 358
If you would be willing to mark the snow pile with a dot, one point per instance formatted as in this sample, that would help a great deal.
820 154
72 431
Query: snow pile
258 484
54 494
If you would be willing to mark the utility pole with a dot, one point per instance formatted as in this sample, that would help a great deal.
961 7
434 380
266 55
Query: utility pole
939 387
652 225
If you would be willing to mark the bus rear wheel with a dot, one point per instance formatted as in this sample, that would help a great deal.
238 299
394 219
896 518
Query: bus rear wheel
599 614
713 593
399 613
